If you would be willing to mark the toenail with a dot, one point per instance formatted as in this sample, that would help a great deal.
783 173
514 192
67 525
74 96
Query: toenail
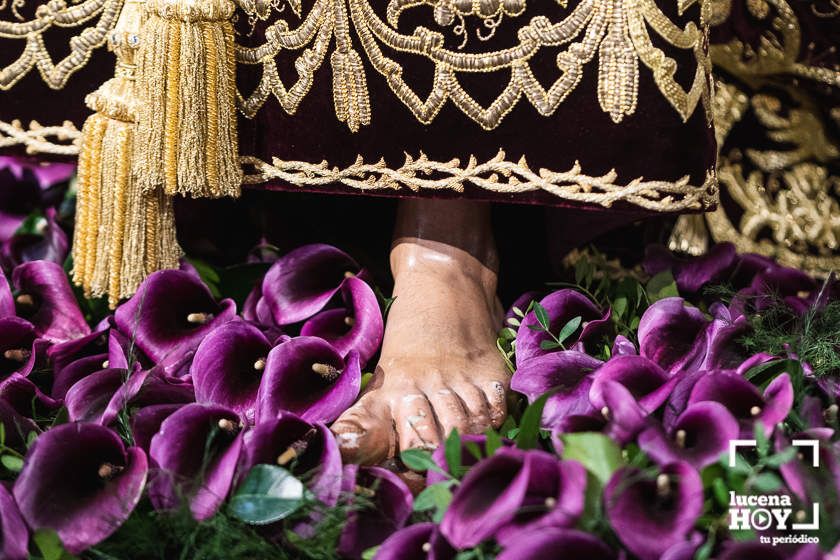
349 439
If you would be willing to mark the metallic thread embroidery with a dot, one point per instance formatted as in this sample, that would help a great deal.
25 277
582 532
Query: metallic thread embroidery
616 31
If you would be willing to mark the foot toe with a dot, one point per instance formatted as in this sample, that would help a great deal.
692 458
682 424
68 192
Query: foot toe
416 422
450 411
496 392
365 435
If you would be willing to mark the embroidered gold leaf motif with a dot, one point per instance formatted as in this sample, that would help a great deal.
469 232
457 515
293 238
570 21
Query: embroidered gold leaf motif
352 105
618 68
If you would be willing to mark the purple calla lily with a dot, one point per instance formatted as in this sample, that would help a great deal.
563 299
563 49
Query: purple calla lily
7 302
554 497
668 334
46 300
89 479
693 273
228 367
699 436
20 347
467 458
625 417
569 373
421 541
487 498
562 306
555 542
622 346
145 423
48 245
196 451
169 316
311 447
308 377
74 372
651 515
391 508
16 426
744 400
45 175
648 383
300 283
20 402
722 336
802 479
357 326
63 354
14 536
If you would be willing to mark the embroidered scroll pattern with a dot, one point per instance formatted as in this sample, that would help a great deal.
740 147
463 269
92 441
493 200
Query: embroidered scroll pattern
498 175
59 140
57 13
616 33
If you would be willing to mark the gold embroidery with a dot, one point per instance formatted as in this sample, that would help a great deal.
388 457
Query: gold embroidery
778 49
36 138
496 175
617 31
58 13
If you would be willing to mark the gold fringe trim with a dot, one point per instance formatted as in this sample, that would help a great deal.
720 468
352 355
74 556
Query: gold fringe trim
187 139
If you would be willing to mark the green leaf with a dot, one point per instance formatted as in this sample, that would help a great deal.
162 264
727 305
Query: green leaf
49 545
550 345
661 286
596 452
766 482
12 463
507 333
721 492
569 329
268 494
366 377
370 553
435 497
493 441
420 460
518 312
208 275
619 306
780 458
2 434
529 425
542 316
762 444
452 452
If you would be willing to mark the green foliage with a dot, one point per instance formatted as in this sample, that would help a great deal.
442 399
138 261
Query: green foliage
268 494
599 454
529 426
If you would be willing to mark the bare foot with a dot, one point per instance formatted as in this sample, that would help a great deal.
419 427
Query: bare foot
439 367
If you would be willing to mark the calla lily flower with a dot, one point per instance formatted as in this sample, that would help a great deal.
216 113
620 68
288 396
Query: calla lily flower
699 436
555 542
101 396
391 505
722 336
300 284
20 347
622 346
625 416
421 541
64 353
196 451
651 515
74 372
46 175
648 383
569 373
668 334
17 426
805 481
7 302
46 300
308 377
24 188
48 245
80 481
693 273
487 499
356 326
20 402
744 400
467 458
14 536
169 316
562 306
290 441
511 492
228 367
145 423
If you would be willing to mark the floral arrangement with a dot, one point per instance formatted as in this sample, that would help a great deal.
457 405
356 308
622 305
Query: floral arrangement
193 421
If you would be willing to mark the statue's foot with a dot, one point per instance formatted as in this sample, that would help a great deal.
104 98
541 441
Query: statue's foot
439 368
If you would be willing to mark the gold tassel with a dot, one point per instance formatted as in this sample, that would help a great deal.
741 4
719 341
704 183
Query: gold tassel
186 124
350 92
110 245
